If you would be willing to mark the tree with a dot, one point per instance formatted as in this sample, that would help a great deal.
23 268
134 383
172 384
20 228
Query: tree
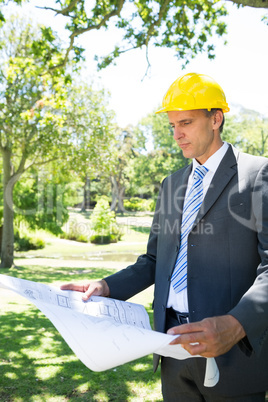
189 27
32 105
103 223
248 131
124 150
186 26
40 198
92 127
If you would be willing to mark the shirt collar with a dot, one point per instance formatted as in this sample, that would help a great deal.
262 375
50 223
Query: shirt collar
213 162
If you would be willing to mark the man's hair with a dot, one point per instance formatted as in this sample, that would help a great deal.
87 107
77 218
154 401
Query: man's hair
211 112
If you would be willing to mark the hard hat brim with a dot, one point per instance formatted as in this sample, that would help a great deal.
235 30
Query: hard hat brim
226 109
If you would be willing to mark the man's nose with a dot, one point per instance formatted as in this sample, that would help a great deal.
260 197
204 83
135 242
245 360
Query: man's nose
177 133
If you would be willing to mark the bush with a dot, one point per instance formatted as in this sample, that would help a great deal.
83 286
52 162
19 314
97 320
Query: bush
75 236
77 231
26 242
37 243
139 204
98 239
103 223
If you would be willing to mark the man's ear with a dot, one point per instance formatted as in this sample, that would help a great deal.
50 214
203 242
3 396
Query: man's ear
217 119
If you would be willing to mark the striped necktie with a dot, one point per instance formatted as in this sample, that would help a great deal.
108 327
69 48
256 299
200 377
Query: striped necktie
190 209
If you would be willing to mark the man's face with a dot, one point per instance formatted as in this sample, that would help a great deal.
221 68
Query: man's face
196 134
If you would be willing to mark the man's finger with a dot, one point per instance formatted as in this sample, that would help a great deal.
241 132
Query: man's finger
72 286
88 293
185 329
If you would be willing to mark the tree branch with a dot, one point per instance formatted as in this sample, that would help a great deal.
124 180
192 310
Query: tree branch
80 31
150 31
251 3
64 12
157 22
148 64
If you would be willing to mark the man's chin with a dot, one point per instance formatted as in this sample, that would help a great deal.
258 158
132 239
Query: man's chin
187 154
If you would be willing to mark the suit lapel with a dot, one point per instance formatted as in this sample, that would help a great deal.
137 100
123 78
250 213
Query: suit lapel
226 170
181 190
177 195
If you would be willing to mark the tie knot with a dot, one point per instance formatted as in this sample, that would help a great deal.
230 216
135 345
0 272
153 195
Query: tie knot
200 172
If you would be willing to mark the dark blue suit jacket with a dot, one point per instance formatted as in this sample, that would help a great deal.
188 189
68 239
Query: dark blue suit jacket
227 262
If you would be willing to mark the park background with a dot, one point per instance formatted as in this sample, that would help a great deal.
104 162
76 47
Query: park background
83 156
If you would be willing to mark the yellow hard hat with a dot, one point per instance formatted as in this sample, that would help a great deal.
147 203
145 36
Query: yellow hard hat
194 91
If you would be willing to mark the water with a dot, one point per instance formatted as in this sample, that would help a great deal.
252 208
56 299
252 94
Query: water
106 256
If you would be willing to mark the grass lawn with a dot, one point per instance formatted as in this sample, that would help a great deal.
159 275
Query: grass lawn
35 362
37 365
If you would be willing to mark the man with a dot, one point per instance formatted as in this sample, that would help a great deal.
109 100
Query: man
207 255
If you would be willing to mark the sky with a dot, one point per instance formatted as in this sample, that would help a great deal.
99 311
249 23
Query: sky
240 67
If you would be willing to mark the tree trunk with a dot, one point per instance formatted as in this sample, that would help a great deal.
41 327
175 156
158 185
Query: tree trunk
7 249
86 195
118 194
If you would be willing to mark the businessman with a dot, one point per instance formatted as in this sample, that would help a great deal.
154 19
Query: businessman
207 255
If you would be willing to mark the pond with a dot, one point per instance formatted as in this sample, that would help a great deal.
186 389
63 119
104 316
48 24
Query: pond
109 256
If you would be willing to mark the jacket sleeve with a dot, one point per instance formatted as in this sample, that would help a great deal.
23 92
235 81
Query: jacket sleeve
139 276
252 309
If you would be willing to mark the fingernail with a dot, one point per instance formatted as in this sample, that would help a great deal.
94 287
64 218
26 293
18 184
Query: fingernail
171 332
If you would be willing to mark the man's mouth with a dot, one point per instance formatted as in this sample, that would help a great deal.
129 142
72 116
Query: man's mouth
182 146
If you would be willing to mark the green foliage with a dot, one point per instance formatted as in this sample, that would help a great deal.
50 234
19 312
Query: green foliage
91 123
139 204
157 129
41 202
77 231
151 167
33 102
39 123
32 109
25 242
73 235
73 191
125 152
103 223
248 131
102 239
189 27
254 135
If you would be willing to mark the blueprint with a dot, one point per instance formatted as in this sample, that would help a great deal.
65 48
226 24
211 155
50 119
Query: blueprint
102 332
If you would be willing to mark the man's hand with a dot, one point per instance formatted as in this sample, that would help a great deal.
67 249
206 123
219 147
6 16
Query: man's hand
90 288
210 337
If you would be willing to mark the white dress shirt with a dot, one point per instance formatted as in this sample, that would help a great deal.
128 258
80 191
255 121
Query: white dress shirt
179 301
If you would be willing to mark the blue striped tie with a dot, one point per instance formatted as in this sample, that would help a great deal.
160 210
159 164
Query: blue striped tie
190 209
